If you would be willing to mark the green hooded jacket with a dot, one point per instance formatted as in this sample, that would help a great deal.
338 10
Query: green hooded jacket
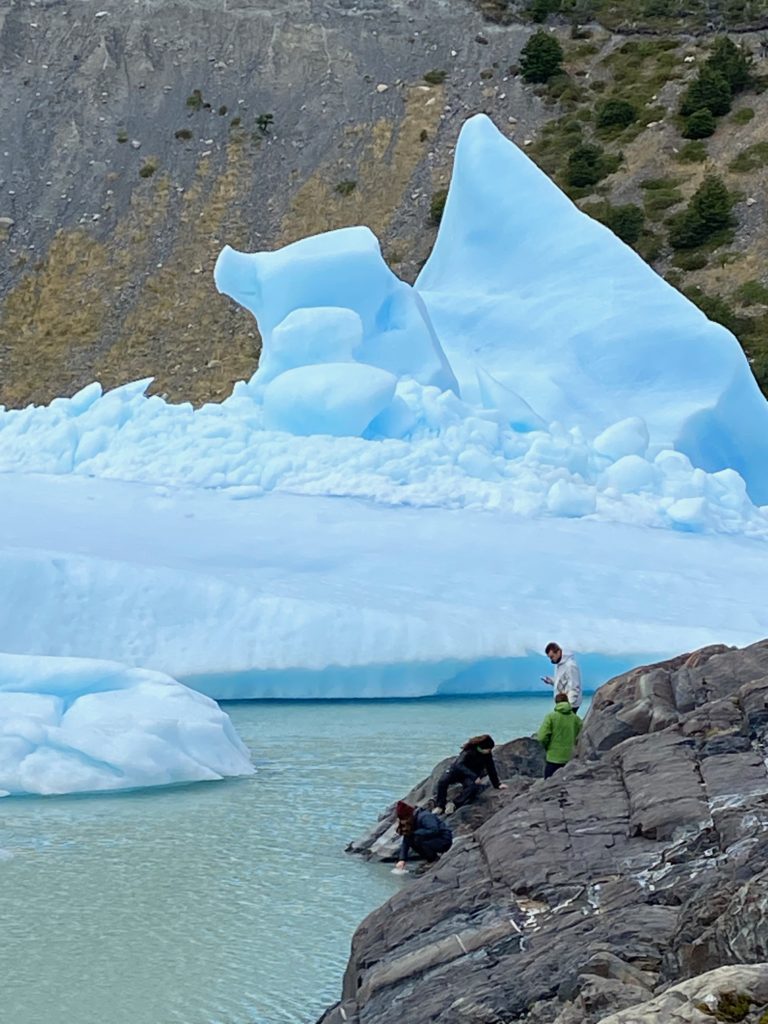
558 733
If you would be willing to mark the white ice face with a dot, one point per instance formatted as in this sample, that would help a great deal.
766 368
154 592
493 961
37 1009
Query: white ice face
541 436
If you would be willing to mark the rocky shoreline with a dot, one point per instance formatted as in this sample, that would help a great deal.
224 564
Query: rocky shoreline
630 887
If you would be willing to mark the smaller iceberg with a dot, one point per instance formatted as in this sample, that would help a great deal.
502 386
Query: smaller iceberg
72 725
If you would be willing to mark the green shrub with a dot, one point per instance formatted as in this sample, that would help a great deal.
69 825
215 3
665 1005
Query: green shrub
752 293
709 90
691 260
195 100
743 116
588 164
147 169
264 122
657 184
700 125
717 309
657 200
122 135
751 158
437 205
541 57
616 113
648 246
693 153
708 213
626 222
584 166
540 10
435 77
346 188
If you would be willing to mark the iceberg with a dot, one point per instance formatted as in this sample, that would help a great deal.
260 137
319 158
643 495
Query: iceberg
419 486
70 725
523 284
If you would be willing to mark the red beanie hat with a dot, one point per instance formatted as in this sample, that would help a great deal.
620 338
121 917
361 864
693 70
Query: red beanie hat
403 810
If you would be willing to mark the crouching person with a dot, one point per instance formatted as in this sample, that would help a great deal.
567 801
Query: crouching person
558 734
474 761
422 832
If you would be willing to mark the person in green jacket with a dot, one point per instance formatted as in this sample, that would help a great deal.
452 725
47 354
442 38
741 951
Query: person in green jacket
558 734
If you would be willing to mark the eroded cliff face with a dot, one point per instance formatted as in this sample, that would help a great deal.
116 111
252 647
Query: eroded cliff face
136 139
643 862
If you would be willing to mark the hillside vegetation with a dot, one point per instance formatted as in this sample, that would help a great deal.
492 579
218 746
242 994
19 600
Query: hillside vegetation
135 143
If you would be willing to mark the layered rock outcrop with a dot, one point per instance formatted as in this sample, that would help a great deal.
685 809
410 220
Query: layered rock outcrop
642 863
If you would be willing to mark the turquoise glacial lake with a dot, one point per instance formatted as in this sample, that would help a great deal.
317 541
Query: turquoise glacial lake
220 903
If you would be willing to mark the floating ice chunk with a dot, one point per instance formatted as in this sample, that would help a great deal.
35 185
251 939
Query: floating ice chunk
630 474
627 437
568 498
343 269
70 725
689 513
307 336
729 489
518 413
336 398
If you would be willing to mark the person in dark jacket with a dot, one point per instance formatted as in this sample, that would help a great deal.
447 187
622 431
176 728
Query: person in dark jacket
422 832
474 761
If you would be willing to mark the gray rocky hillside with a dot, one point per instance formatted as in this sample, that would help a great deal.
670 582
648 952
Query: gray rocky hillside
136 139
607 893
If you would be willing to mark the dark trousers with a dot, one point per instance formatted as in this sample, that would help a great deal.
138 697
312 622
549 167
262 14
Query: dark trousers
455 773
428 848
550 769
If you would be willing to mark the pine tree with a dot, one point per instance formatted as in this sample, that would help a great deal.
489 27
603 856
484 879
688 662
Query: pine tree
732 62
541 57
709 90
708 212
713 202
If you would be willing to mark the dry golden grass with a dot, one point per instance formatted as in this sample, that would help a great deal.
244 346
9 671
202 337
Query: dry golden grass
381 160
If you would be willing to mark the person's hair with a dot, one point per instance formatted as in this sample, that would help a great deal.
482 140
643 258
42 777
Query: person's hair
552 647
484 741
405 815
560 697
405 825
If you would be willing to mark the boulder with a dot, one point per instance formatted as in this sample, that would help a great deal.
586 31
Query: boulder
591 896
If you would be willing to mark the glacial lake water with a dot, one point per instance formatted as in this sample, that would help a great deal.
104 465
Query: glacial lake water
220 903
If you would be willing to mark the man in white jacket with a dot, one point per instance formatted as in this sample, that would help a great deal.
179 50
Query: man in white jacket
567 675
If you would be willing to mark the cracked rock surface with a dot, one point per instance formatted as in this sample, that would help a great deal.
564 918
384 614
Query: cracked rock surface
644 862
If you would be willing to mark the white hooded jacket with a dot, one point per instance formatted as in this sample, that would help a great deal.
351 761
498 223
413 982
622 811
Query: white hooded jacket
568 679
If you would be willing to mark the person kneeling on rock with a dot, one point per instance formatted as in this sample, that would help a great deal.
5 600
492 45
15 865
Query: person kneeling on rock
558 734
474 761
422 832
